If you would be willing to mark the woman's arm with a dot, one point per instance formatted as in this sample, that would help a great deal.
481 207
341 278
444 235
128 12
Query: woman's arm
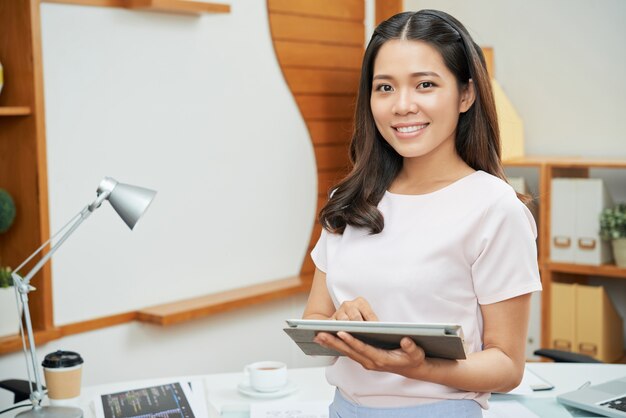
320 305
498 368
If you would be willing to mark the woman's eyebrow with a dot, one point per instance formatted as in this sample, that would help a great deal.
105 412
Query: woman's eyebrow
413 75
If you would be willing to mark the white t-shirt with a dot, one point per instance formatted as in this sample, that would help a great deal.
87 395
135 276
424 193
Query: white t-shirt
439 256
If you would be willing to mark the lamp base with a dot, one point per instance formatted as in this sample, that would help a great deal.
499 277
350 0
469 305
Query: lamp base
52 412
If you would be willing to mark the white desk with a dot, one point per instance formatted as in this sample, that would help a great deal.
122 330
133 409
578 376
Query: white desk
222 394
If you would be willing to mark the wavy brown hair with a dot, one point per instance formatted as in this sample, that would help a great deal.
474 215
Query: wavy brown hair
375 164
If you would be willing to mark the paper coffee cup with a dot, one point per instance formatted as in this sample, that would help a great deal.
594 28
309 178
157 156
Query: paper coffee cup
63 373
266 376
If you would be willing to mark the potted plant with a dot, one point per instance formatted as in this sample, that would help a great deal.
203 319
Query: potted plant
613 228
9 316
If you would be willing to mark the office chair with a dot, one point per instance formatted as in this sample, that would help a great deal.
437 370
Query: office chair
561 356
19 387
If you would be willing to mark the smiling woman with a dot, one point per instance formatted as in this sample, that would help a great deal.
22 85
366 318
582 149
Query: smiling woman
425 229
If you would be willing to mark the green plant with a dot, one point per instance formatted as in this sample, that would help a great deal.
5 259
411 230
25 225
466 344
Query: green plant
613 222
7 210
5 277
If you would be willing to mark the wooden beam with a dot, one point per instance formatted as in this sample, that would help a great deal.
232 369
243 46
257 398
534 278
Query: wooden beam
387 8
172 313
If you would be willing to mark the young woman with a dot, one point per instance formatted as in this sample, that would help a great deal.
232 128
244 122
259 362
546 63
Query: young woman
424 229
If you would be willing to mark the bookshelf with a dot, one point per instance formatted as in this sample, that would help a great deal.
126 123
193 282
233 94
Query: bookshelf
23 167
549 168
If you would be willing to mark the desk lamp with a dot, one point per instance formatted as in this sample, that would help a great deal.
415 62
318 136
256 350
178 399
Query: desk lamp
130 202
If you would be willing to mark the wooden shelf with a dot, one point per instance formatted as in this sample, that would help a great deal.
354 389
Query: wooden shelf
15 111
170 6
605 270
14 342
185 310
565 162
176 6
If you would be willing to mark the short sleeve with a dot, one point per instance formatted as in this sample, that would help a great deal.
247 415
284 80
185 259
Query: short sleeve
506 265
319 252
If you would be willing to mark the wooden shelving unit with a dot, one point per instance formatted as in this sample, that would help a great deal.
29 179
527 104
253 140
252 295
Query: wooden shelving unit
168 6
549 168
606 270
23 168
15 110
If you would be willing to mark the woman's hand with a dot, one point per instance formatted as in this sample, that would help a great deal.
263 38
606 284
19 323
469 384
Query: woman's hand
355 310
402 360
408 360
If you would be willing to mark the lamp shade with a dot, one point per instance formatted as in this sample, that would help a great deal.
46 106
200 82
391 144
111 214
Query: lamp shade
130 202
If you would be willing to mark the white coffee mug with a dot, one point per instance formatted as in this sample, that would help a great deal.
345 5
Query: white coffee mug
266 376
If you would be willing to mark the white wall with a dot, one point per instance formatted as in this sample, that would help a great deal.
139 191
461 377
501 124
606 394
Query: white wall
197 108
562 64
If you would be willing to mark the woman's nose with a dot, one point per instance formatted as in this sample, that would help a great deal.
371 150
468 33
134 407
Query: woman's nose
405 104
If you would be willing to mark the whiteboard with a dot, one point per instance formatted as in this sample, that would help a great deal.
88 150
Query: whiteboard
196 108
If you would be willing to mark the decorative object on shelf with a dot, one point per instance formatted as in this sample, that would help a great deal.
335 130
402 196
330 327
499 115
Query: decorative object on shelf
130 203
613 228
7 211
9 315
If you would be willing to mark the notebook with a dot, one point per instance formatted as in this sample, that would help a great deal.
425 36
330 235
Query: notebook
437 340
608 399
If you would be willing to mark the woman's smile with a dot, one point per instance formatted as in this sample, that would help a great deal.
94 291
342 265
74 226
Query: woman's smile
409 130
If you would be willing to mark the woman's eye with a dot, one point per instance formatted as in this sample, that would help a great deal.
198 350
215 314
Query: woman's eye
425 85
384 88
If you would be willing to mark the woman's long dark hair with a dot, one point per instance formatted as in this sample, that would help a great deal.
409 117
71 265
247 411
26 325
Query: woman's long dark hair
375 164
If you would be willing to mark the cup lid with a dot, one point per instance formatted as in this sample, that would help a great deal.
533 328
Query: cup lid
62 358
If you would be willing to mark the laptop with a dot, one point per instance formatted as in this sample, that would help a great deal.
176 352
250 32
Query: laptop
607 399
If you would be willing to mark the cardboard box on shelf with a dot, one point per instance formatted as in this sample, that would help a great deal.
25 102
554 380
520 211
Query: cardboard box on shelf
599 328
562 319
584 320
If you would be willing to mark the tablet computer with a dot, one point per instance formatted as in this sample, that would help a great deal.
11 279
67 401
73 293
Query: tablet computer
437 340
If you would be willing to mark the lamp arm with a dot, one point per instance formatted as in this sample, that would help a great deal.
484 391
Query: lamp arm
23 288
84 214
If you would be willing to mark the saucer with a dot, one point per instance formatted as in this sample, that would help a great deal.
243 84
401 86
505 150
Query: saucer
245 389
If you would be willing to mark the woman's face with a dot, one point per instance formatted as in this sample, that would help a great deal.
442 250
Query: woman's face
416 100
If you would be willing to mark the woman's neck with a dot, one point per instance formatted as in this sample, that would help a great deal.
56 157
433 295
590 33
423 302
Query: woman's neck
430 173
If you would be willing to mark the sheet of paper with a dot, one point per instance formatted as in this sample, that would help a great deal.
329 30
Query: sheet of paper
529 381
198 401
508 409
289 409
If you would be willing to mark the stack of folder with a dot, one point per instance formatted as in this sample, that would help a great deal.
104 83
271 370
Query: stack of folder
584 320
575 210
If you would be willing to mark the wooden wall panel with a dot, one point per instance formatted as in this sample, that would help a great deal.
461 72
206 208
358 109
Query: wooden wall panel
387 8
324 107
319 45
327 179
330 132
292 54
331 9
312 80
315 29
331 157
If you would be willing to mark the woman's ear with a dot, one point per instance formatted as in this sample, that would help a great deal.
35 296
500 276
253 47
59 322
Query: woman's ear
468 95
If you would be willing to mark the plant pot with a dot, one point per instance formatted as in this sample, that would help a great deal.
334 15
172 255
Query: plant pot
9 317
619 251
